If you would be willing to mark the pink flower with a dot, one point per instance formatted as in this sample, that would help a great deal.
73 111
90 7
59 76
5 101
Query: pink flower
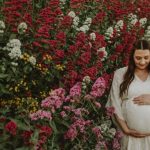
98 87
46 130
76 90
97 104
110 111
71 134
119 134
40 114
116 144
97 131
63 114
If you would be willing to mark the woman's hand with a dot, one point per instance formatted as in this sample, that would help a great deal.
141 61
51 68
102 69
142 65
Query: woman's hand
142 99
136 134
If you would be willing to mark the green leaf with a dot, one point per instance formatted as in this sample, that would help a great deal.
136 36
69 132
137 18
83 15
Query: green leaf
12 36
2 76
35 136
52 124
23 148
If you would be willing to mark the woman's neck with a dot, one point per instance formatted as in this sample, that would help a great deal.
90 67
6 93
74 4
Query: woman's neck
141 71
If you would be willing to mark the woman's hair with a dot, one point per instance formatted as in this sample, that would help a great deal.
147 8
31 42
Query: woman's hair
129 75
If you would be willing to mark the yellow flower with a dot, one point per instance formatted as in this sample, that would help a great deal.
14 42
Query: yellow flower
16 89
60 67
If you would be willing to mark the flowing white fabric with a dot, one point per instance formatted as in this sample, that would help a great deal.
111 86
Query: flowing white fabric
136 116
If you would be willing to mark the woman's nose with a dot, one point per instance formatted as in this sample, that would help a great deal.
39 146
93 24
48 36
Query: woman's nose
142 62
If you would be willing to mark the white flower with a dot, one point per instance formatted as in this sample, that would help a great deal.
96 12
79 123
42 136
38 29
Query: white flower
63 1
131 16
104 127
109 33
93 36
87 79
15 53
143 21
109 123
1 31
148 28
14 63
88 21
72 14
22 27
2 24
147 33
75 21
32 60
14 43
112 131
134 21
84 28
119 25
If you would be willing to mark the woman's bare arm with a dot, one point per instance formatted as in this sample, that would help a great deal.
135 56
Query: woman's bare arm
128 131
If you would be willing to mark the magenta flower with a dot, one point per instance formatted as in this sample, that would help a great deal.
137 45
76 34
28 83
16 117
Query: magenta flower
98 87
76 90
71 134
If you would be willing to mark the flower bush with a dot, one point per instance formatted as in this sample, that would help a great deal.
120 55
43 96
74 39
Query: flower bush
62 54
63 121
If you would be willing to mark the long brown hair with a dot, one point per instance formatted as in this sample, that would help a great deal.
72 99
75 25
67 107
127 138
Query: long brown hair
129 75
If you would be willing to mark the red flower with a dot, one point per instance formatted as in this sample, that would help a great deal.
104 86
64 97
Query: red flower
72 49
66 22
46 130
99 18
91 72
59 54
61 37
81 37
119 48
11 127
84 58
53 44
73 74
26 135
2 119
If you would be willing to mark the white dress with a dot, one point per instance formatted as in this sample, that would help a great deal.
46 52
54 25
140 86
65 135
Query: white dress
136 116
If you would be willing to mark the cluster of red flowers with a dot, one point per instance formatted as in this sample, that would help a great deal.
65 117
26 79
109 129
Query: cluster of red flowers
51 29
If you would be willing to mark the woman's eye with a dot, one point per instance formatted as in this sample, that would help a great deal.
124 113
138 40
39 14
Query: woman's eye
138 58
146 58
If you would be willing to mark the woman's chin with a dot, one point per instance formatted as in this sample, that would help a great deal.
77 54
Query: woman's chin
141 67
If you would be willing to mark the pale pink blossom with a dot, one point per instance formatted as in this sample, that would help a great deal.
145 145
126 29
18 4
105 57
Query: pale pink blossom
116 144
63 114
40 114
110 111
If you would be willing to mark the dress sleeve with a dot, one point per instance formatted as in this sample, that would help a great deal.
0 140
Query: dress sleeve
114 98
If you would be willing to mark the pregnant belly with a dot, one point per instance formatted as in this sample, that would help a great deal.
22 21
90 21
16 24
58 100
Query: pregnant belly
137 116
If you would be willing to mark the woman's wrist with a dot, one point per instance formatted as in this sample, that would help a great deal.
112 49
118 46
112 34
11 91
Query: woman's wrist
126 131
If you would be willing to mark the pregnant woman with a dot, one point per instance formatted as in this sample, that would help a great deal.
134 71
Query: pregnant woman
130 96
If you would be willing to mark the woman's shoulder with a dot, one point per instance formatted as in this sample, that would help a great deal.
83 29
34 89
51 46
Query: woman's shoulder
121 71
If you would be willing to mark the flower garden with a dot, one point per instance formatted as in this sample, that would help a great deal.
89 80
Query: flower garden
56 68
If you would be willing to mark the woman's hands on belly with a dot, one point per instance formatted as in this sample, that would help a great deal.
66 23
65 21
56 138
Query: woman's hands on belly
143 99
137 116
136 134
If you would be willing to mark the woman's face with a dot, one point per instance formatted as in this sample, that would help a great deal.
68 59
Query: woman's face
141 58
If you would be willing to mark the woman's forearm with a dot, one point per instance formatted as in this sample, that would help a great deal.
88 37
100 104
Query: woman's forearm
122 124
